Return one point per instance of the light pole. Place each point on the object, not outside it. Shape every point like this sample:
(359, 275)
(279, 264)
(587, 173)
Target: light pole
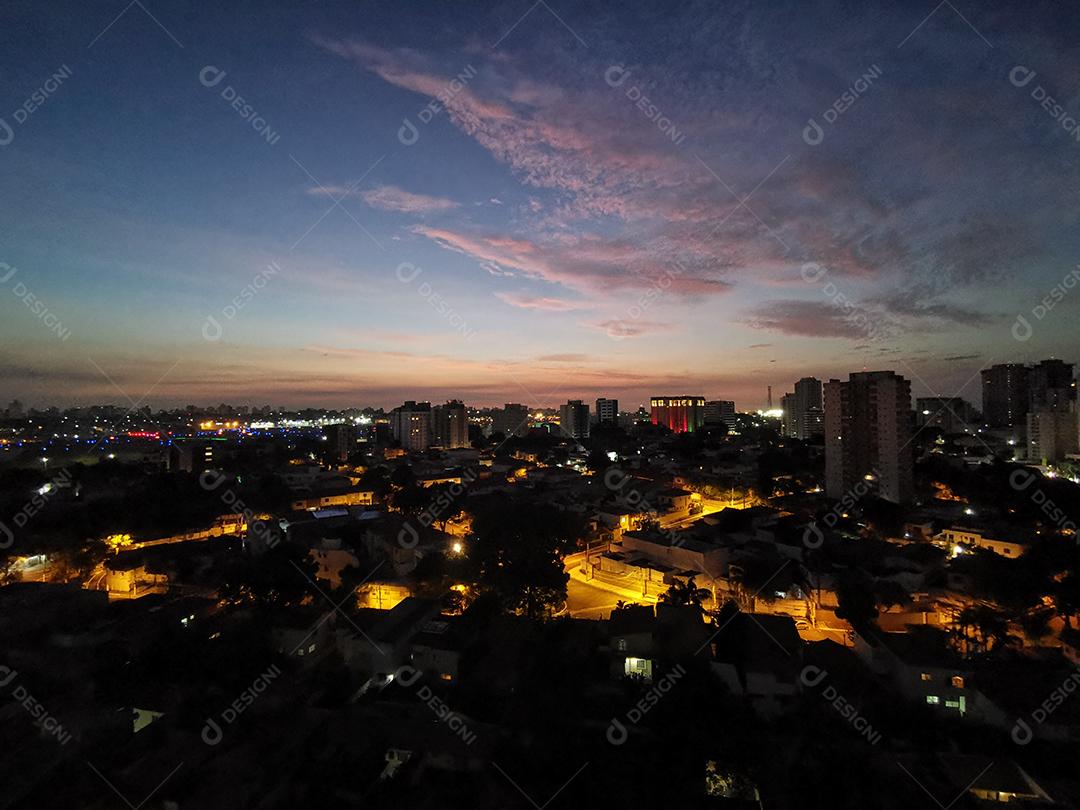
(44, 463)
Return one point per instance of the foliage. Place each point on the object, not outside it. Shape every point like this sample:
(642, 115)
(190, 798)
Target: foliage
(518, 553)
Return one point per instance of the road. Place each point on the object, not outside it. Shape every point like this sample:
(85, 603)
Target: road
(585, 601)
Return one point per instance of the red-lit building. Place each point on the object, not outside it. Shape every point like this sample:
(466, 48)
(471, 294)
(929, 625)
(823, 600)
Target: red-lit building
(678, 414)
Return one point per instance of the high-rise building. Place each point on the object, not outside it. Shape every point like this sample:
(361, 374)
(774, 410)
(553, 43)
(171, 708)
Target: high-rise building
(341, 439)
(679, 414)
(717, 409)
(574, 419)
(948, 414)
(194, 455)
(720, 412)
(802, 410)
(1052, 435)
(811, 423)
(1051, 386)
(789, 415)
(450, 425)
(411, 425)
(607, 411)
(1005, 394)
(512, 420)
(1012, 391)
(808, 394)
(868, 435)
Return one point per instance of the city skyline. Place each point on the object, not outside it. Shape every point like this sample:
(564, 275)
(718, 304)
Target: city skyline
(333, 240)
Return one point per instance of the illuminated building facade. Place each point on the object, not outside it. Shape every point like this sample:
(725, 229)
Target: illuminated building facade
(607, 411)
(574, 419)
(678, 414)
(450, 423)
(802, 410)
(411, 425)
(1005, 394)
(194, 455)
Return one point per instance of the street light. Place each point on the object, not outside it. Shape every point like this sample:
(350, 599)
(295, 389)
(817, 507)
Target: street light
(44, 462)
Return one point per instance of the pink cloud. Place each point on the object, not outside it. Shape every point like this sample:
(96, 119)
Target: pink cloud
(524, 301)
(619, 328)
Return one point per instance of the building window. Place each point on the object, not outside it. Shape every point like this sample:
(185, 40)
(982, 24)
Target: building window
(925, 676)
(641, 667)
(620, 645)
(932, 700)
(957, 681)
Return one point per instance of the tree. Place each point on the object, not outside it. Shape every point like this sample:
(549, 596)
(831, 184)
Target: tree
(7, 571)
(891, 593)
(598, 460)
(1067, 597)
(1036, 623)
(280, 576)
(518, 553)
(684, 593)
(856, 600)
(982, 628)
(762, 577)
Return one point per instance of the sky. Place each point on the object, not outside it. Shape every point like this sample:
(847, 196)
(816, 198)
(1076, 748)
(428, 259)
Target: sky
(353, 203)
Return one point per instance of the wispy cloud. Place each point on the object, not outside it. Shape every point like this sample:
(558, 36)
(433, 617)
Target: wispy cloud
(390, 198)
(618, 328)
(525, 301)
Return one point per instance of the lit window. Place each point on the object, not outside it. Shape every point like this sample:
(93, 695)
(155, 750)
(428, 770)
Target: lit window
(932, 700)
(926, 676)
(639, 666)
(957, 682)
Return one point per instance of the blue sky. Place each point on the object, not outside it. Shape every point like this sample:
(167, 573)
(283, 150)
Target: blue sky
(614, 199)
